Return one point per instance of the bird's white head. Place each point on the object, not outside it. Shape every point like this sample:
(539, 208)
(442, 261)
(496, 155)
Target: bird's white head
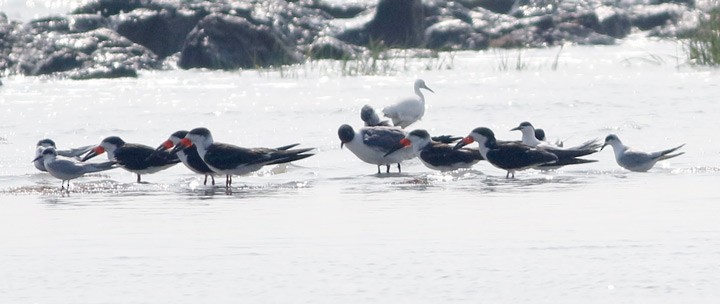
(612, 140)
(47, 154)
(528, 133)
(418, 139)
(200, 137)
(420, 84)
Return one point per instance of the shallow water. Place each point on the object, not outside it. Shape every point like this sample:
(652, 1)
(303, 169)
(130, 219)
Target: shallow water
(329, 230)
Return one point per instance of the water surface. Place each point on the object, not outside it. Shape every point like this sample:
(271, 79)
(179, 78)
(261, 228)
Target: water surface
(329, 230)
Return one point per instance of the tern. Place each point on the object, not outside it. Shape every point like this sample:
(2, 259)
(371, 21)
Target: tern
(436, 155)
(566, 156)
(509, 156)
(49, 143)
(371, 118)
(188, 156)
(370, 144)
(409, 110)
(635, 160)
(66, 170)
(232, 160)
(136, 158)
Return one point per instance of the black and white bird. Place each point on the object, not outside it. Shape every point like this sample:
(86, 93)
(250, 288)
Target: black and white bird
(408, 110)
(188, 156)
(66, 170)
(137, 158)
(370, 144)
(541, 136)
(232, 160)
(49, 143)
(509, 156)
(436, 155)
(635, 160)
(566, 156)
(371, 118)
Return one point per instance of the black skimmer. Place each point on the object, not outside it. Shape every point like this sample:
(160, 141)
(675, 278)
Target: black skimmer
(566, 156)
(409, 110)
(509, 156)
(436, 155)
(66, 170)
(635, 160)
(49, 143)
(136, 158)
(188, 156)
(371, 118)
(370, 144)
(233, 160)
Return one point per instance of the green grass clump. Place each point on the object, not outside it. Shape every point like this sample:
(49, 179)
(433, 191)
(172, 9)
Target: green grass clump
(703, 47)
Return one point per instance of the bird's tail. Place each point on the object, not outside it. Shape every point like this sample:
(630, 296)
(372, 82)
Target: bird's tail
(97, 167)
(667, 156)
(569, 161)
(668, 151)
(286, 156)
(286, 147)
(592, 144)
(75, 152)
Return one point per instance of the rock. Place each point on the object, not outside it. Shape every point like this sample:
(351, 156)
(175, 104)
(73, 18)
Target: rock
(337, 9)
(80, 23)
(331, 48)
(229, 42)
(496, 6)
(650, 16)
(534, 8)
(448, 35)
(59, 61)
(519, 38)
(163, 31)
(107, 8)
(613, 22)
(50, 24)
(118, 71)
(69, 54)
(397, 23)
(575, 33)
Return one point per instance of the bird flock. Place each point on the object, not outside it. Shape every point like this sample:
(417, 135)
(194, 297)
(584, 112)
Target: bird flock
(378, 142)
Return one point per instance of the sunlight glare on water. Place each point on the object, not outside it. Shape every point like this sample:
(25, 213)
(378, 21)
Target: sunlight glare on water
(328, 229)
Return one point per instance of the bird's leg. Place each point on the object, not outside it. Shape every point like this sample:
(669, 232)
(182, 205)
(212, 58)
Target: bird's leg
(399, 170)
(213, 180)
(507, 175)
(138, 179)
(387, 170)
(378, 169)
(205, 182)
(62, 185)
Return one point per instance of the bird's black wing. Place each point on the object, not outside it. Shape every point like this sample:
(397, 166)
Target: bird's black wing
(138, 157)
(441, 155)
(515, 156)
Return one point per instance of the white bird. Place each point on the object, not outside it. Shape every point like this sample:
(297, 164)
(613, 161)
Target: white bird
(635, 160)
(530, 138)
(370, 144)
(409, 110)
(66, 170)
(49, 143)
